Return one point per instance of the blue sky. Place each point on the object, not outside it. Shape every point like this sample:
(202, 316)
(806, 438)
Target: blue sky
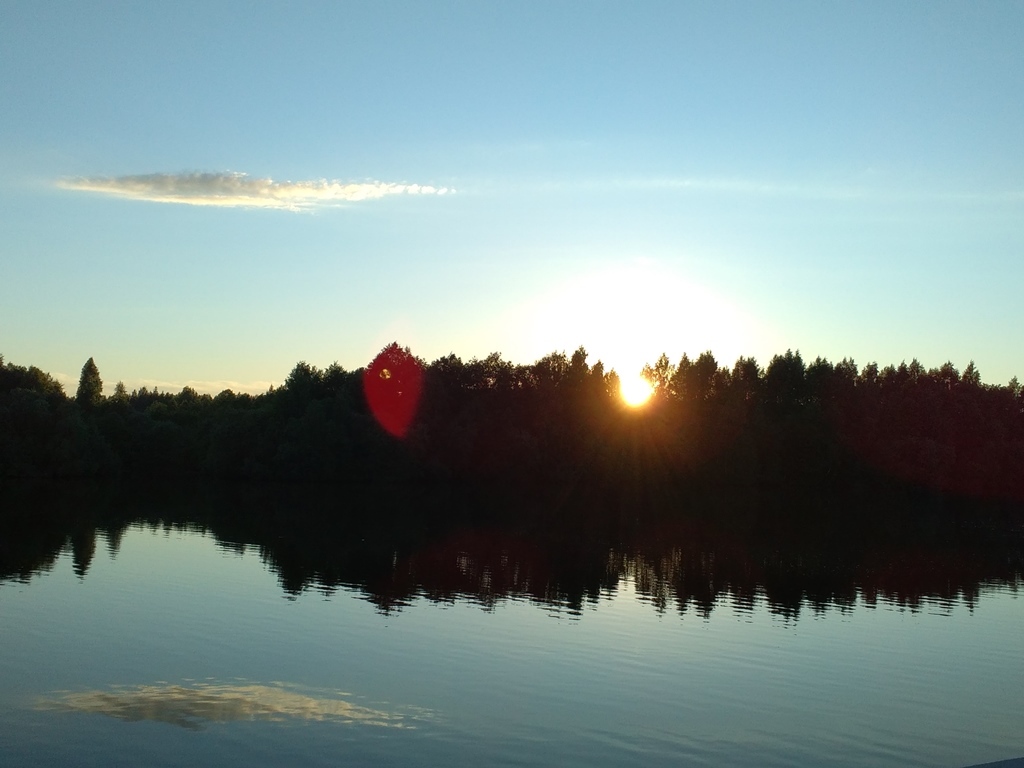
(207, 193)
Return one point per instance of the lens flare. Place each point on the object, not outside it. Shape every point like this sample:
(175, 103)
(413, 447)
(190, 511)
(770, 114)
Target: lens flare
(393, 383)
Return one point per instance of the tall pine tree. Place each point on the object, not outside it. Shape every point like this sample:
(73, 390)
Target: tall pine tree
(90, 385)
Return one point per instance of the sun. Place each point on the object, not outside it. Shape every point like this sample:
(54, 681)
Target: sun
(626, 314)
(635, 391)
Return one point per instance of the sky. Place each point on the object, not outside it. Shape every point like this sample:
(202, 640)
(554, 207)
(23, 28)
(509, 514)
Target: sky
(205, 194)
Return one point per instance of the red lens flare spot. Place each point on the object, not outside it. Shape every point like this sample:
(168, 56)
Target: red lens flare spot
(393, 383)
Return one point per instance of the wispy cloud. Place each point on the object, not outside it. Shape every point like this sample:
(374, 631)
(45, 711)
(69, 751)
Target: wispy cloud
(238, 190)
(754, 187)
(203, 387)
(764, 189)
(750, 187)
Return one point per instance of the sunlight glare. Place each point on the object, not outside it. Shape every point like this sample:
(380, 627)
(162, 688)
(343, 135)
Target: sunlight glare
(635, 390)
(628, 314)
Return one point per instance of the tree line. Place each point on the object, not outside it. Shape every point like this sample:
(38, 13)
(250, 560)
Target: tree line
(791, 424)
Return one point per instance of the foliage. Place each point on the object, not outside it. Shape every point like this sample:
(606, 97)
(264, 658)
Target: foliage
(559, 420)
(90, 386)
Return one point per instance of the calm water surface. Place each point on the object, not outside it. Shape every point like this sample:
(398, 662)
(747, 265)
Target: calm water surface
(166, 644)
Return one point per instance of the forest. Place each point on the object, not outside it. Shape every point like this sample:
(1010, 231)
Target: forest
(818, 427)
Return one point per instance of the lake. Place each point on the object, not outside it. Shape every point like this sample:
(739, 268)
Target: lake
(246, 627)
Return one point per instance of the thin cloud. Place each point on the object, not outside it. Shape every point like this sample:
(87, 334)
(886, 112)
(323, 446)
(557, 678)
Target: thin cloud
(767, 189)
(204, 387)
(758, 188)
(238, 190)
(831, 192)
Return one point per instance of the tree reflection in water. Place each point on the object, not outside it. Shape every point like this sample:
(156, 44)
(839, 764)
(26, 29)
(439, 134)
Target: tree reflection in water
(485, 545)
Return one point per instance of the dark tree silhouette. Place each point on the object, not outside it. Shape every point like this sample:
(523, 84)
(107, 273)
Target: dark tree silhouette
(820, 427)
(90, 386)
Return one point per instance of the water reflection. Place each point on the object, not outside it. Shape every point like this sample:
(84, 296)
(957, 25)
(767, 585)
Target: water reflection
(395, 546)
(194, 705)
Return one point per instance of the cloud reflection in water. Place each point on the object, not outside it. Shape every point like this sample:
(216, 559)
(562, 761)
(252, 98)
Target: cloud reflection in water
(192, 706)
